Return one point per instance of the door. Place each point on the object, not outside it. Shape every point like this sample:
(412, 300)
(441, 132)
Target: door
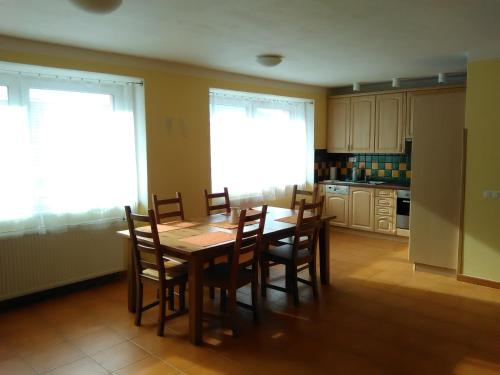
(384, 224)
(339, 114)
(361, 208)
(362, 123)
(436, 192)
(338, 205)
(389, 123)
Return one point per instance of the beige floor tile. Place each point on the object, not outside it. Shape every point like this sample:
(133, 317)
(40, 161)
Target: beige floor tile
(119, 356)
(85, 366)
(148, 366)
(54, 356)
(100, 339)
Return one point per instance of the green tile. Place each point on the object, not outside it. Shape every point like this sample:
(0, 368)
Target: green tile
(388, 173)
(368, 164)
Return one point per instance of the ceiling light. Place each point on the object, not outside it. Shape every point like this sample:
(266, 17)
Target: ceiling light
(98, 6)
(395, 82)
(356, 86)
(269, 60)
(441, 77)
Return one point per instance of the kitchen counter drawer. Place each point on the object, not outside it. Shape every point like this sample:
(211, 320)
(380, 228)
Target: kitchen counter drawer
(385, 193)
(385, 224)
(384, 202)
(385, 211)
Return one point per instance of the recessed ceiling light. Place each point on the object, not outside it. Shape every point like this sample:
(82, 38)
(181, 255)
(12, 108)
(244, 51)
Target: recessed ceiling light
(98, 6)
(269, 60)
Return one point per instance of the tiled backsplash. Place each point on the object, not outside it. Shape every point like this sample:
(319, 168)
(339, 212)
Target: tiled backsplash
(384, 167)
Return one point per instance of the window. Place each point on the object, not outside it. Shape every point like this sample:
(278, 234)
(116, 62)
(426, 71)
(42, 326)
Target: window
(260, 144)
(67, 152)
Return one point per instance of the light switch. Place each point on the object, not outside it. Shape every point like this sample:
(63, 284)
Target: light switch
(491, 194)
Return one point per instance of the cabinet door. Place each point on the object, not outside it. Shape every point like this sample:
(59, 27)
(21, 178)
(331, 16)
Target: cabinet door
(410, 112)
(339, 114)
(338, 205)
(361, 208)
(389, 123)
(362, 123)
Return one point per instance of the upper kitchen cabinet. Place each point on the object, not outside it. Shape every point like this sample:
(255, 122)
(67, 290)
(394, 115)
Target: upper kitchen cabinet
(362, 123)
(410, 112)
(389, 124)
(339, 125)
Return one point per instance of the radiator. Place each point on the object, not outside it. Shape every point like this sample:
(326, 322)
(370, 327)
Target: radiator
(34, 263)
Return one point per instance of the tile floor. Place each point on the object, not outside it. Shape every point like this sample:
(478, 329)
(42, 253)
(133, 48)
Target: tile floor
(377, 317)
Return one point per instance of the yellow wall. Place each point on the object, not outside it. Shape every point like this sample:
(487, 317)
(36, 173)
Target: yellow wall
(178, 155)
(482, 216)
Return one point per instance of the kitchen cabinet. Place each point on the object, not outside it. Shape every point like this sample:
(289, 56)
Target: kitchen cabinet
(339, 124)
(338, 205)
(361, 208)
(362, 124)
(389, 124)
(385, 211)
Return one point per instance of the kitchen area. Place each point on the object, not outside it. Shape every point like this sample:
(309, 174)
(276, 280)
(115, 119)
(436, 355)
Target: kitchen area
(393, 166)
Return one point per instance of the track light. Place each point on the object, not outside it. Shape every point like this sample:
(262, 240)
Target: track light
(441, 77)
(356, 86)
(395, 82)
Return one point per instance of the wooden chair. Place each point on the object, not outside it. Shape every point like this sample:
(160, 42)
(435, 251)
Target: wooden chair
(297, 256)
(241, 268)
(160, 214)
(217, 207)
(313, 194)
(151, 267)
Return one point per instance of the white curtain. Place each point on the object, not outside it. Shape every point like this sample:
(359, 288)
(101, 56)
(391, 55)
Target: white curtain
(260, 144)
(67, 153)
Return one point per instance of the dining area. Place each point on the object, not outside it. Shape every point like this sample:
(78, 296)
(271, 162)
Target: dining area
(187, 260)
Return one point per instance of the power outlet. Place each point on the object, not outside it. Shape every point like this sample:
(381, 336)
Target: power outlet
(490, 194)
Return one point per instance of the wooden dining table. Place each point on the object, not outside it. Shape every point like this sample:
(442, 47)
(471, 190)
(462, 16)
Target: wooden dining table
(173, 244)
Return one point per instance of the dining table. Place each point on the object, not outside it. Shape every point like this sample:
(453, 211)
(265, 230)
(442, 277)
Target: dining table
(181, 243)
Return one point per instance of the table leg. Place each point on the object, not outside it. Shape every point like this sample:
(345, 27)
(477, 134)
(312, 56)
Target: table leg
(127, 247)
(195, 275)
(324, 253)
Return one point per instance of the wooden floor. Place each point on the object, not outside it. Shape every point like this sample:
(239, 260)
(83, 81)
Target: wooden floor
(377, 317)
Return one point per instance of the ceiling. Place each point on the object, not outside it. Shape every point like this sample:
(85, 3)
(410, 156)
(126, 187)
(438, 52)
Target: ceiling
(325, 42)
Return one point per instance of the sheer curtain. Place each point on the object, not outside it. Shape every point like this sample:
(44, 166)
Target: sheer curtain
(67, 153)
(260, 144)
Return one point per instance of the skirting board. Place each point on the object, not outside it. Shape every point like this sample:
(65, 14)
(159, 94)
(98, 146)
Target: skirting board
(479, 281)
(334, 228)
(419, 267)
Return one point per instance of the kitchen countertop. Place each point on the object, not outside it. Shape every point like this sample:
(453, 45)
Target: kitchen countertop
(385, 185)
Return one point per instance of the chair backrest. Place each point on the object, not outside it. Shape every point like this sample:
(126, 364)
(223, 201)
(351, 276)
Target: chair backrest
(161, 203)
(307, 229)
(145, 243)
(246, 250)
(313, 194)
(217, 207)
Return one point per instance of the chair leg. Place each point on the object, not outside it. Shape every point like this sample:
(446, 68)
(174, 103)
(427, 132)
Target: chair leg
(171, 298)
(223, 300)
(232, 311)
(138, 304)
(182, 297)
(314, 279)
(263, 278)
(162, 312)
(211, 290)
(255, 288)
(294, 284)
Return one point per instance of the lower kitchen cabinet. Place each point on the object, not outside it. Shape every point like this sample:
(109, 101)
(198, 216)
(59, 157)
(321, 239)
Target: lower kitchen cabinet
(338, 205)
(384, 224)
(361, 208)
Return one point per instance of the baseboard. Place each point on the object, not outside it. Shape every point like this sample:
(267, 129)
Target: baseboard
(479, 281)
(419, 267)
(59, 291)
(402, 232)
(335, 228)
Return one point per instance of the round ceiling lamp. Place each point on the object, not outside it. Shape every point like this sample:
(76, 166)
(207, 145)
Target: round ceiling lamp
(98, 6)
(269, 60)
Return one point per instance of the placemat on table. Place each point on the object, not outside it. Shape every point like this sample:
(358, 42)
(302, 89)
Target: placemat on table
(182, 224)
(209, 239)
(228, 225)
(288, 219)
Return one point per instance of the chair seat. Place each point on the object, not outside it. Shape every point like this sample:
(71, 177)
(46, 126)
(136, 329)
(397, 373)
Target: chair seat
(173, 270)
(218, 276)
(289, 240)
(283, 254)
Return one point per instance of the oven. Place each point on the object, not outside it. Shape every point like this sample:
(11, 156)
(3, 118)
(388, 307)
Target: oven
(403, 209)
